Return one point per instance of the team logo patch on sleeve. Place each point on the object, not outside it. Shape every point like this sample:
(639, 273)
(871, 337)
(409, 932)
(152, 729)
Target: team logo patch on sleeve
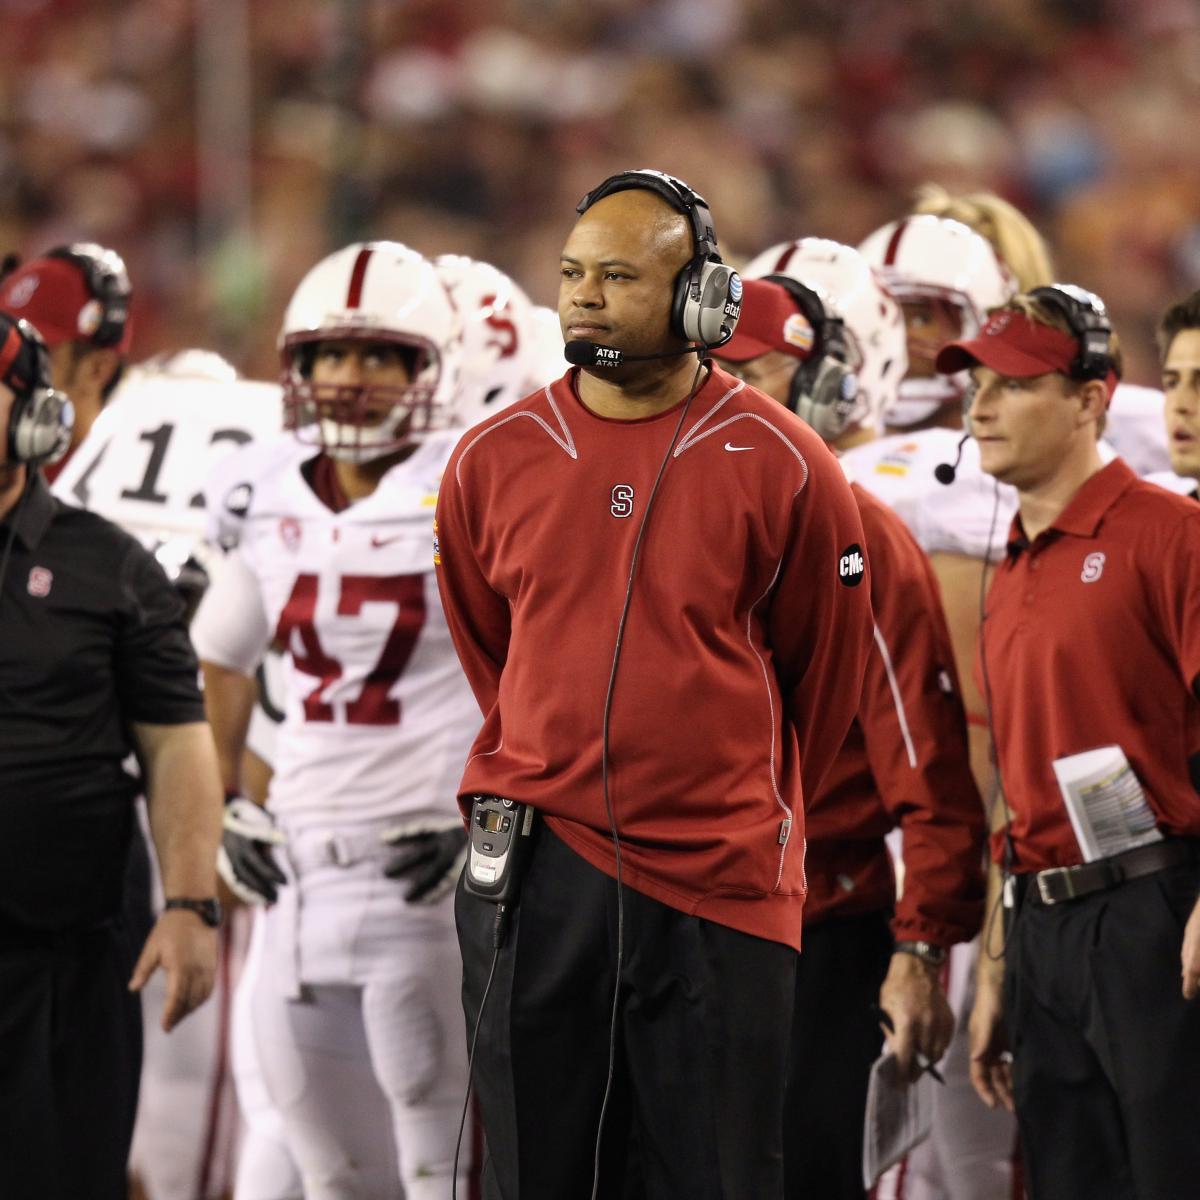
(852, 566)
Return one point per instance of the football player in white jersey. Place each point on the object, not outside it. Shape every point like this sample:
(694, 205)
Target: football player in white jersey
(328, 531)
(1133, 428)
(143, 464)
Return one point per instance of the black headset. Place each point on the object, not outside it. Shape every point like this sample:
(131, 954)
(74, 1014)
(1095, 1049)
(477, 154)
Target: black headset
(824, 388)
(1085, 314)
(708, 294)
(41, 419)
(107, 282)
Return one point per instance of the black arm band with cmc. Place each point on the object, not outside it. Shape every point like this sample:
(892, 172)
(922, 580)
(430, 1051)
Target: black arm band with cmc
(500, 841)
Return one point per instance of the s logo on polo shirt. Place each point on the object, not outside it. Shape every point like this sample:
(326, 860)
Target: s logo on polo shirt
(40, 581)
(1093, 567)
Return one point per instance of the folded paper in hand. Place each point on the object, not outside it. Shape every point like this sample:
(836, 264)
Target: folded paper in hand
(899, 1116)
(1105, 802)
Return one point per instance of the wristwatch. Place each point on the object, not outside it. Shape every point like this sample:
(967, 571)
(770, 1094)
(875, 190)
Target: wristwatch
(209, 911)
(931, 954)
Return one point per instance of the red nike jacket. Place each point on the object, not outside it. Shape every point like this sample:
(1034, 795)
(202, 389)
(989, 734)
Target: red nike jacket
(904, 763)
(748, 631)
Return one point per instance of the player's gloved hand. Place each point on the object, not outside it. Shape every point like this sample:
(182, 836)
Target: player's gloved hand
(430, 855)
(245, 860)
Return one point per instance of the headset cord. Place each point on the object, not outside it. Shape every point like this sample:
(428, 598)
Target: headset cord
(499, 928)
(997, 783)
(608, 808)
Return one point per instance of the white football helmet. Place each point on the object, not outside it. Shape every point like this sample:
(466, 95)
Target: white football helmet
(934, 258)
(374, 292)
(861, 355)
(546, 359)
(497, 334)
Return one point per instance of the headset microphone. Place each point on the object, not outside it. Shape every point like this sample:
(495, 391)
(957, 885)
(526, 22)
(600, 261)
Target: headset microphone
(945, 472)
(588, 354)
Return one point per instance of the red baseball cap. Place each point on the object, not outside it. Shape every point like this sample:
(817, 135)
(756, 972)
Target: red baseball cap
(52, 294)
(1013, 345)
(771, 320)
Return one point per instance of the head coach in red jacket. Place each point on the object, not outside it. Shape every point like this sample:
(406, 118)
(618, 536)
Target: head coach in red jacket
(654, 577)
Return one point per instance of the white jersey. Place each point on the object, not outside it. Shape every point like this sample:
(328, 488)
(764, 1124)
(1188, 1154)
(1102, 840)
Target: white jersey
(1181, 485)
(144, 461)
(1136, 429)
(378, 714)
(959, 518)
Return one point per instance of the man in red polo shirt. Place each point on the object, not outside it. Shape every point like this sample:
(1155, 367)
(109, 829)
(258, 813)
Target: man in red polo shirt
(1090, 651)
(825, 339)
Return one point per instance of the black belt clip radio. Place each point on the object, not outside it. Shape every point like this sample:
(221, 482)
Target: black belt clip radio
(500, 843)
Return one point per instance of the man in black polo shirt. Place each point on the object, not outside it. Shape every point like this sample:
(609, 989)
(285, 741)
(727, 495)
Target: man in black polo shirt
(94, 663)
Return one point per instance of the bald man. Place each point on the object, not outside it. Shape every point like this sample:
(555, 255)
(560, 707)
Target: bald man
(652, 576)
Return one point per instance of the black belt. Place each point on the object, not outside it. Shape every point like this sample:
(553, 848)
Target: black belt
(1046, 888)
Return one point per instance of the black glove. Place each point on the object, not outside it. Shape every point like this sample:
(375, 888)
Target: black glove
(431, 859)
(245, 860)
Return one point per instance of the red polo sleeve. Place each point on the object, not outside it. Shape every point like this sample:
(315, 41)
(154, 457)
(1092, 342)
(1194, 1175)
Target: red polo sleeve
(819, 626)
(478, 616)
(916, 741)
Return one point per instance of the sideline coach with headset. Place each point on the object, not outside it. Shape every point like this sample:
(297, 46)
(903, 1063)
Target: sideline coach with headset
(94, 662)
(652, 574)
(1090, 639)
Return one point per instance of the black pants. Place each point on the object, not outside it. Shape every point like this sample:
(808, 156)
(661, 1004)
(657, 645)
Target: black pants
(702, 1042)
(1106, 1052)
(835, 1039)
(70, 1058)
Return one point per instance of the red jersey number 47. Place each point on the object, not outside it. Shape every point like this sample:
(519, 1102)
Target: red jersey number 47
(297, 634)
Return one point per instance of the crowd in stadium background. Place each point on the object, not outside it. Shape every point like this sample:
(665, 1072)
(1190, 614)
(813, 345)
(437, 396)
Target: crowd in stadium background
(225, 146)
